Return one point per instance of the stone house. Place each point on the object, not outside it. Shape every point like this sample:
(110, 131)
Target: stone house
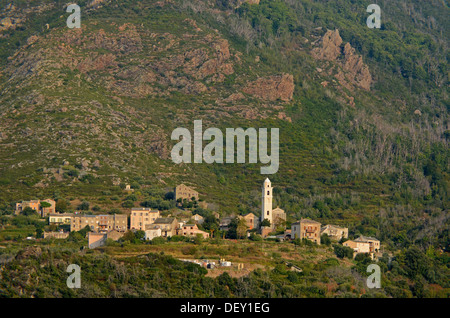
(99, 223)
(152, 231)
(251, 220)
(60, 218)
(335, 232)
(48, 210)
(364, 244)
(114, 235)
(56, 235)
(96, 239)
(306, 229)
(192, 230)
(224, 223)
(37, 206)
(374, 244)
(358, 247)
(110, 222)
(80, 221)
(33, 204)
(141, 217)
(278, 217)
(184, 192)
(198, 218)
(168, 226)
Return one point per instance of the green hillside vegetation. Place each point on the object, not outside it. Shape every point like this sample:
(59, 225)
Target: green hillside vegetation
(143, 270)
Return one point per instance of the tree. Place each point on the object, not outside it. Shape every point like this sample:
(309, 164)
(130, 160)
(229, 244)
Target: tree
(255, 237)
(224, 4)
(265, 222)
(39, 230)
(416, 262)
(85, 230)
(115, 211)
(232, 229)
(77, 236)
(45, 204)
(325, 239)
(158, 240)
(28, 211)
(84, 206)
(198, 239)
(169, 196)
(139, 235)
(293, 277)
(128, 204)
(343, 251)
(241, 229)
(210, 223)
(363, 258)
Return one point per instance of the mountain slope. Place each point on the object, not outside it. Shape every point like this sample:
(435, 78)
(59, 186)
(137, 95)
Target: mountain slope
(363, 113)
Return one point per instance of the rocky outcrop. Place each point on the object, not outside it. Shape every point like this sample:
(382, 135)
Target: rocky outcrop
(30, 251)
(128, 40)
(98, 63)
(200, 65)
(330, 46)
(240, 2)
(352, 69)
(272, 88)
(358, 71)
(283, 116)
(158, 145)
(95, 4)
(12, 17)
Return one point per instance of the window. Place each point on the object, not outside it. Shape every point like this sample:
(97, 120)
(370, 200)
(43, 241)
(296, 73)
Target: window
(267, 212)
(268, 192)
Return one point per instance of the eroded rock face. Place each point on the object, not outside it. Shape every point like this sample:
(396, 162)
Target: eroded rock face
(330, 46)
(272, 88)
(353, 70)
(354, 65)
(201, 66)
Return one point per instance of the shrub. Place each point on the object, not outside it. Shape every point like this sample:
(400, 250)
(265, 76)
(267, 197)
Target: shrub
(189, 250)
(343, 251)
(83, 206)
(158, 241)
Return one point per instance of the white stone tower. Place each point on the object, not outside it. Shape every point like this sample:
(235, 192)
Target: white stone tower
(266, 212)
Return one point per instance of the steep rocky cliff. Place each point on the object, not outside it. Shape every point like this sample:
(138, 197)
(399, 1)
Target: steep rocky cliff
(350, 67)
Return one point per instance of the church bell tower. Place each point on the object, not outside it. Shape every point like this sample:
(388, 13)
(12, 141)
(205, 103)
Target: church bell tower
(266, 212)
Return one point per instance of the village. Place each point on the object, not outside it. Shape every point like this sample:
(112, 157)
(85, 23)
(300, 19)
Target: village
(153, 224)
